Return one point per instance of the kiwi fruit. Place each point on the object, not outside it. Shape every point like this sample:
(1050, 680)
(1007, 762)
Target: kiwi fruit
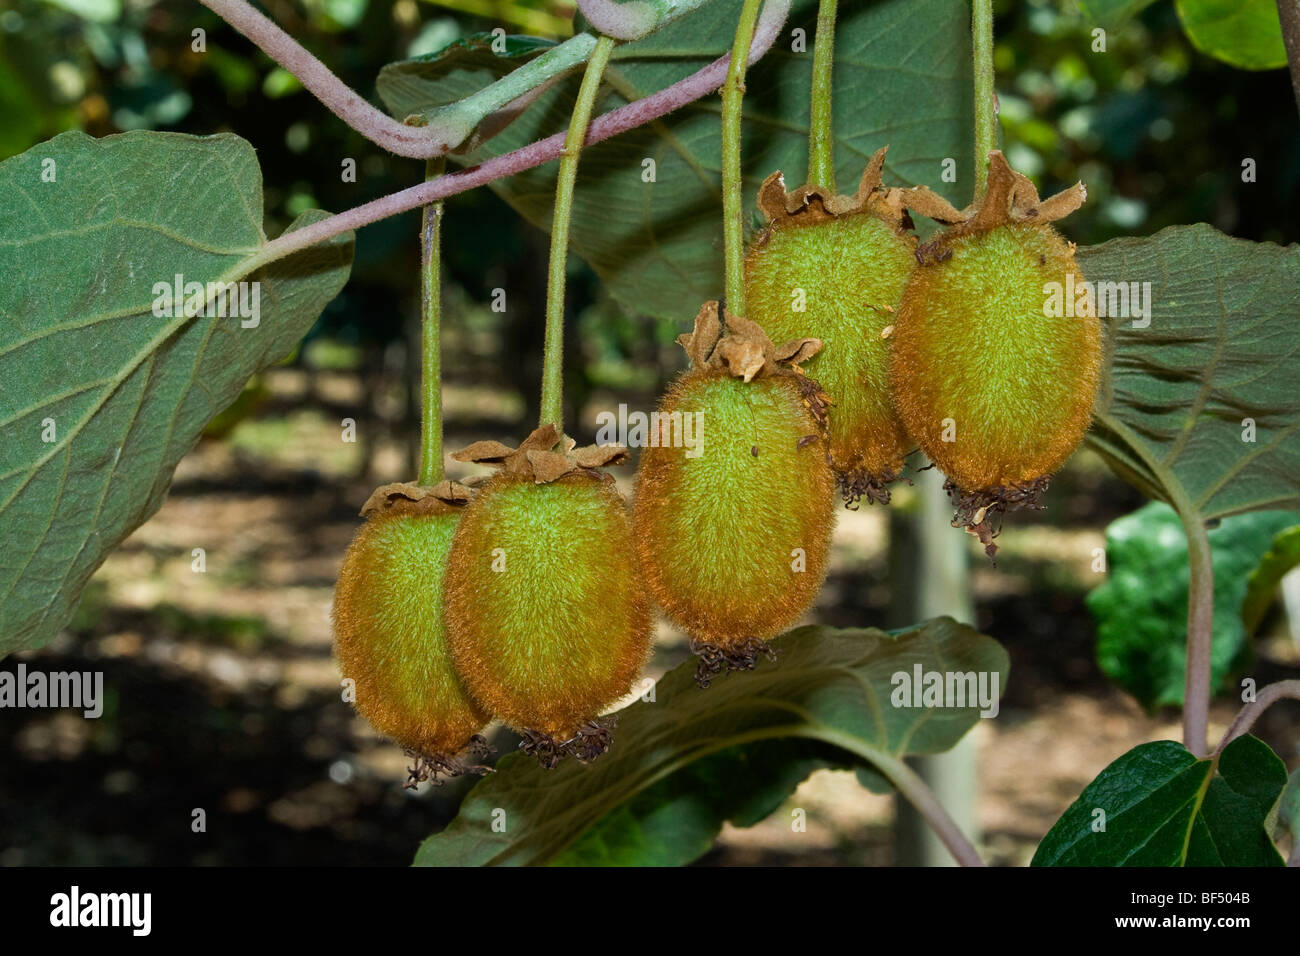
(834, 267)
(550, 622)
(996, 387)
(391, 637)
(733, 535)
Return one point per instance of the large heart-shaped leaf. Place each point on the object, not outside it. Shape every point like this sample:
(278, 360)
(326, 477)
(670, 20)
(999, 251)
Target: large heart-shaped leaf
(1200, 408)
(1141, 608)
(102, 394)
(1159, 806)
(902, 79)
(830, 688)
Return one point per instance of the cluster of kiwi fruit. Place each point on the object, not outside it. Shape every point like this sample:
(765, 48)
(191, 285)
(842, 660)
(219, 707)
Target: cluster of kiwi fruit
(527, 598)
(516, 597)
(945, 345)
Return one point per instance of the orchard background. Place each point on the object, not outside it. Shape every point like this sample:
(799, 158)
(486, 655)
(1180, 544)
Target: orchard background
(222, 691)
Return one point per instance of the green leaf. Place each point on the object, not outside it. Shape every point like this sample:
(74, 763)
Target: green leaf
(677, 819)
(658, 245)
(1160, 806)
(1288, 815)
(410, 88)
(1264, 580)
(1242, 33)
(1141, 609)
(101, 396)
(1200, 407)
(450, 87)
(830, 688)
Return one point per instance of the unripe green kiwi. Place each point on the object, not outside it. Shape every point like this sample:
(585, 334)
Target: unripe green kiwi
(391, 636)
(550, 622)
(850, 271)
(734, 540)
(993, 387)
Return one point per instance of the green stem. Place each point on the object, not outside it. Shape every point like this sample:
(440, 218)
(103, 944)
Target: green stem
(986, 116)
(821, 140)
(431, 467)
(1200, 637)
(733, 91)
(553, 360)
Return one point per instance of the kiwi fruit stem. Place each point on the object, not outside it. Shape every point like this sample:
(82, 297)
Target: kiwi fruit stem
(733, 226)
(431, 468)
(821, 139)
(553, 355)
(986, 98)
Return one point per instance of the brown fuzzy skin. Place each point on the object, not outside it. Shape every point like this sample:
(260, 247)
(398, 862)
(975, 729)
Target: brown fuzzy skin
(391, 639)
(558, 636)
(973, 344)
(715, 533)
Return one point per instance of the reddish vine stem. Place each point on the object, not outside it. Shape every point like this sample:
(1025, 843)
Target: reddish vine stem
(1246, 717)
(344, 102)
(622, 21)
(688, 90)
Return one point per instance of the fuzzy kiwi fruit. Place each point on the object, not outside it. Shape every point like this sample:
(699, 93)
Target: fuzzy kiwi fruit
(391, 637)
(549, 619)
(733, 534)
(996, 385)
(834, 267)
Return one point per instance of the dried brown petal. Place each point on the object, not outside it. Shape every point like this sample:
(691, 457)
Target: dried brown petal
(797, 351)
(699, 342)
(543, 439)
(1010, 198)
(811, 204)
(599, 456)
(408, 497)
(930, 204)
(545, 455)
(741, 346)
(484, 452)
(548, 465)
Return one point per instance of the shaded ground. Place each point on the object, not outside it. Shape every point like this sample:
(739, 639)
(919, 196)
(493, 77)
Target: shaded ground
(223, 697)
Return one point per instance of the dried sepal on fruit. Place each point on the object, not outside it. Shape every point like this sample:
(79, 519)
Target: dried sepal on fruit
(834, 267)
(550, 623)
(390, 632)
(993, 382)
(734, 532)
